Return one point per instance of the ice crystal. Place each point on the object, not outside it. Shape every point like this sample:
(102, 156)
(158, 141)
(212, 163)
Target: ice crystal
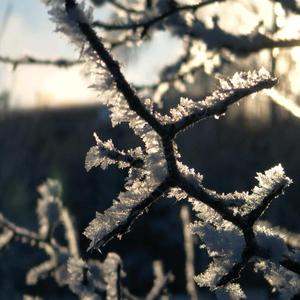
(67, 23)
(223, 241)
(137, 189)
(177, 193)
(105, 154)
(102, 81)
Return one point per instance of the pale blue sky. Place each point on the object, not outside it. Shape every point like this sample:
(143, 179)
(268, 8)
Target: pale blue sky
(28, 31)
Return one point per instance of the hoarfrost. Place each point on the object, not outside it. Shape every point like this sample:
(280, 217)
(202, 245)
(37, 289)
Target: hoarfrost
(231, 90)
(284, 282)
(271, 243)
(269, 182)
(223, 242)
(105, 154)
(123, 207)
(231, 291)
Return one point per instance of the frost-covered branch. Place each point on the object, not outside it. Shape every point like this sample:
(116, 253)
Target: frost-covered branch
(87, 279)
(50, 212)
(232, 90)
(148, 22)
(113, 67)
(257, 240)
(13, 232)
(105, 153)
(215, 38)
(291, 239)
(222, 218)
(125, 211)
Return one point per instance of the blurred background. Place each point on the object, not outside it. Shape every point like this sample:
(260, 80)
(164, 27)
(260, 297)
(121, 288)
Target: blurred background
(48, 116)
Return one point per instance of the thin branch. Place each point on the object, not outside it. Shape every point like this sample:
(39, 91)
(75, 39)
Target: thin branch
(105, 153)
(161, 282)
(117, 155)
(119, 287)
(189, 253)
(288, 104)
(70, 232)
(244, 44)
(20, 232)
(146, 24)
(244, 223)
(30, 60)
(215, 38)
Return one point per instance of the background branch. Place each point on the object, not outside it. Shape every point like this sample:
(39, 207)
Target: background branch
(30, 60)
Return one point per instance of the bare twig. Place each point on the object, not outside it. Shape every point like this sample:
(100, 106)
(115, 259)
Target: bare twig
(70, 232)
(30, 60)
(189, 253)
(21, 233)
(161, 282)
(146, 24)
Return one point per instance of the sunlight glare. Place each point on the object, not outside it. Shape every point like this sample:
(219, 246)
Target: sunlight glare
(65, 88)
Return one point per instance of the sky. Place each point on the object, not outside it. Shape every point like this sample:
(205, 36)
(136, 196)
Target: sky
(28, 31)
